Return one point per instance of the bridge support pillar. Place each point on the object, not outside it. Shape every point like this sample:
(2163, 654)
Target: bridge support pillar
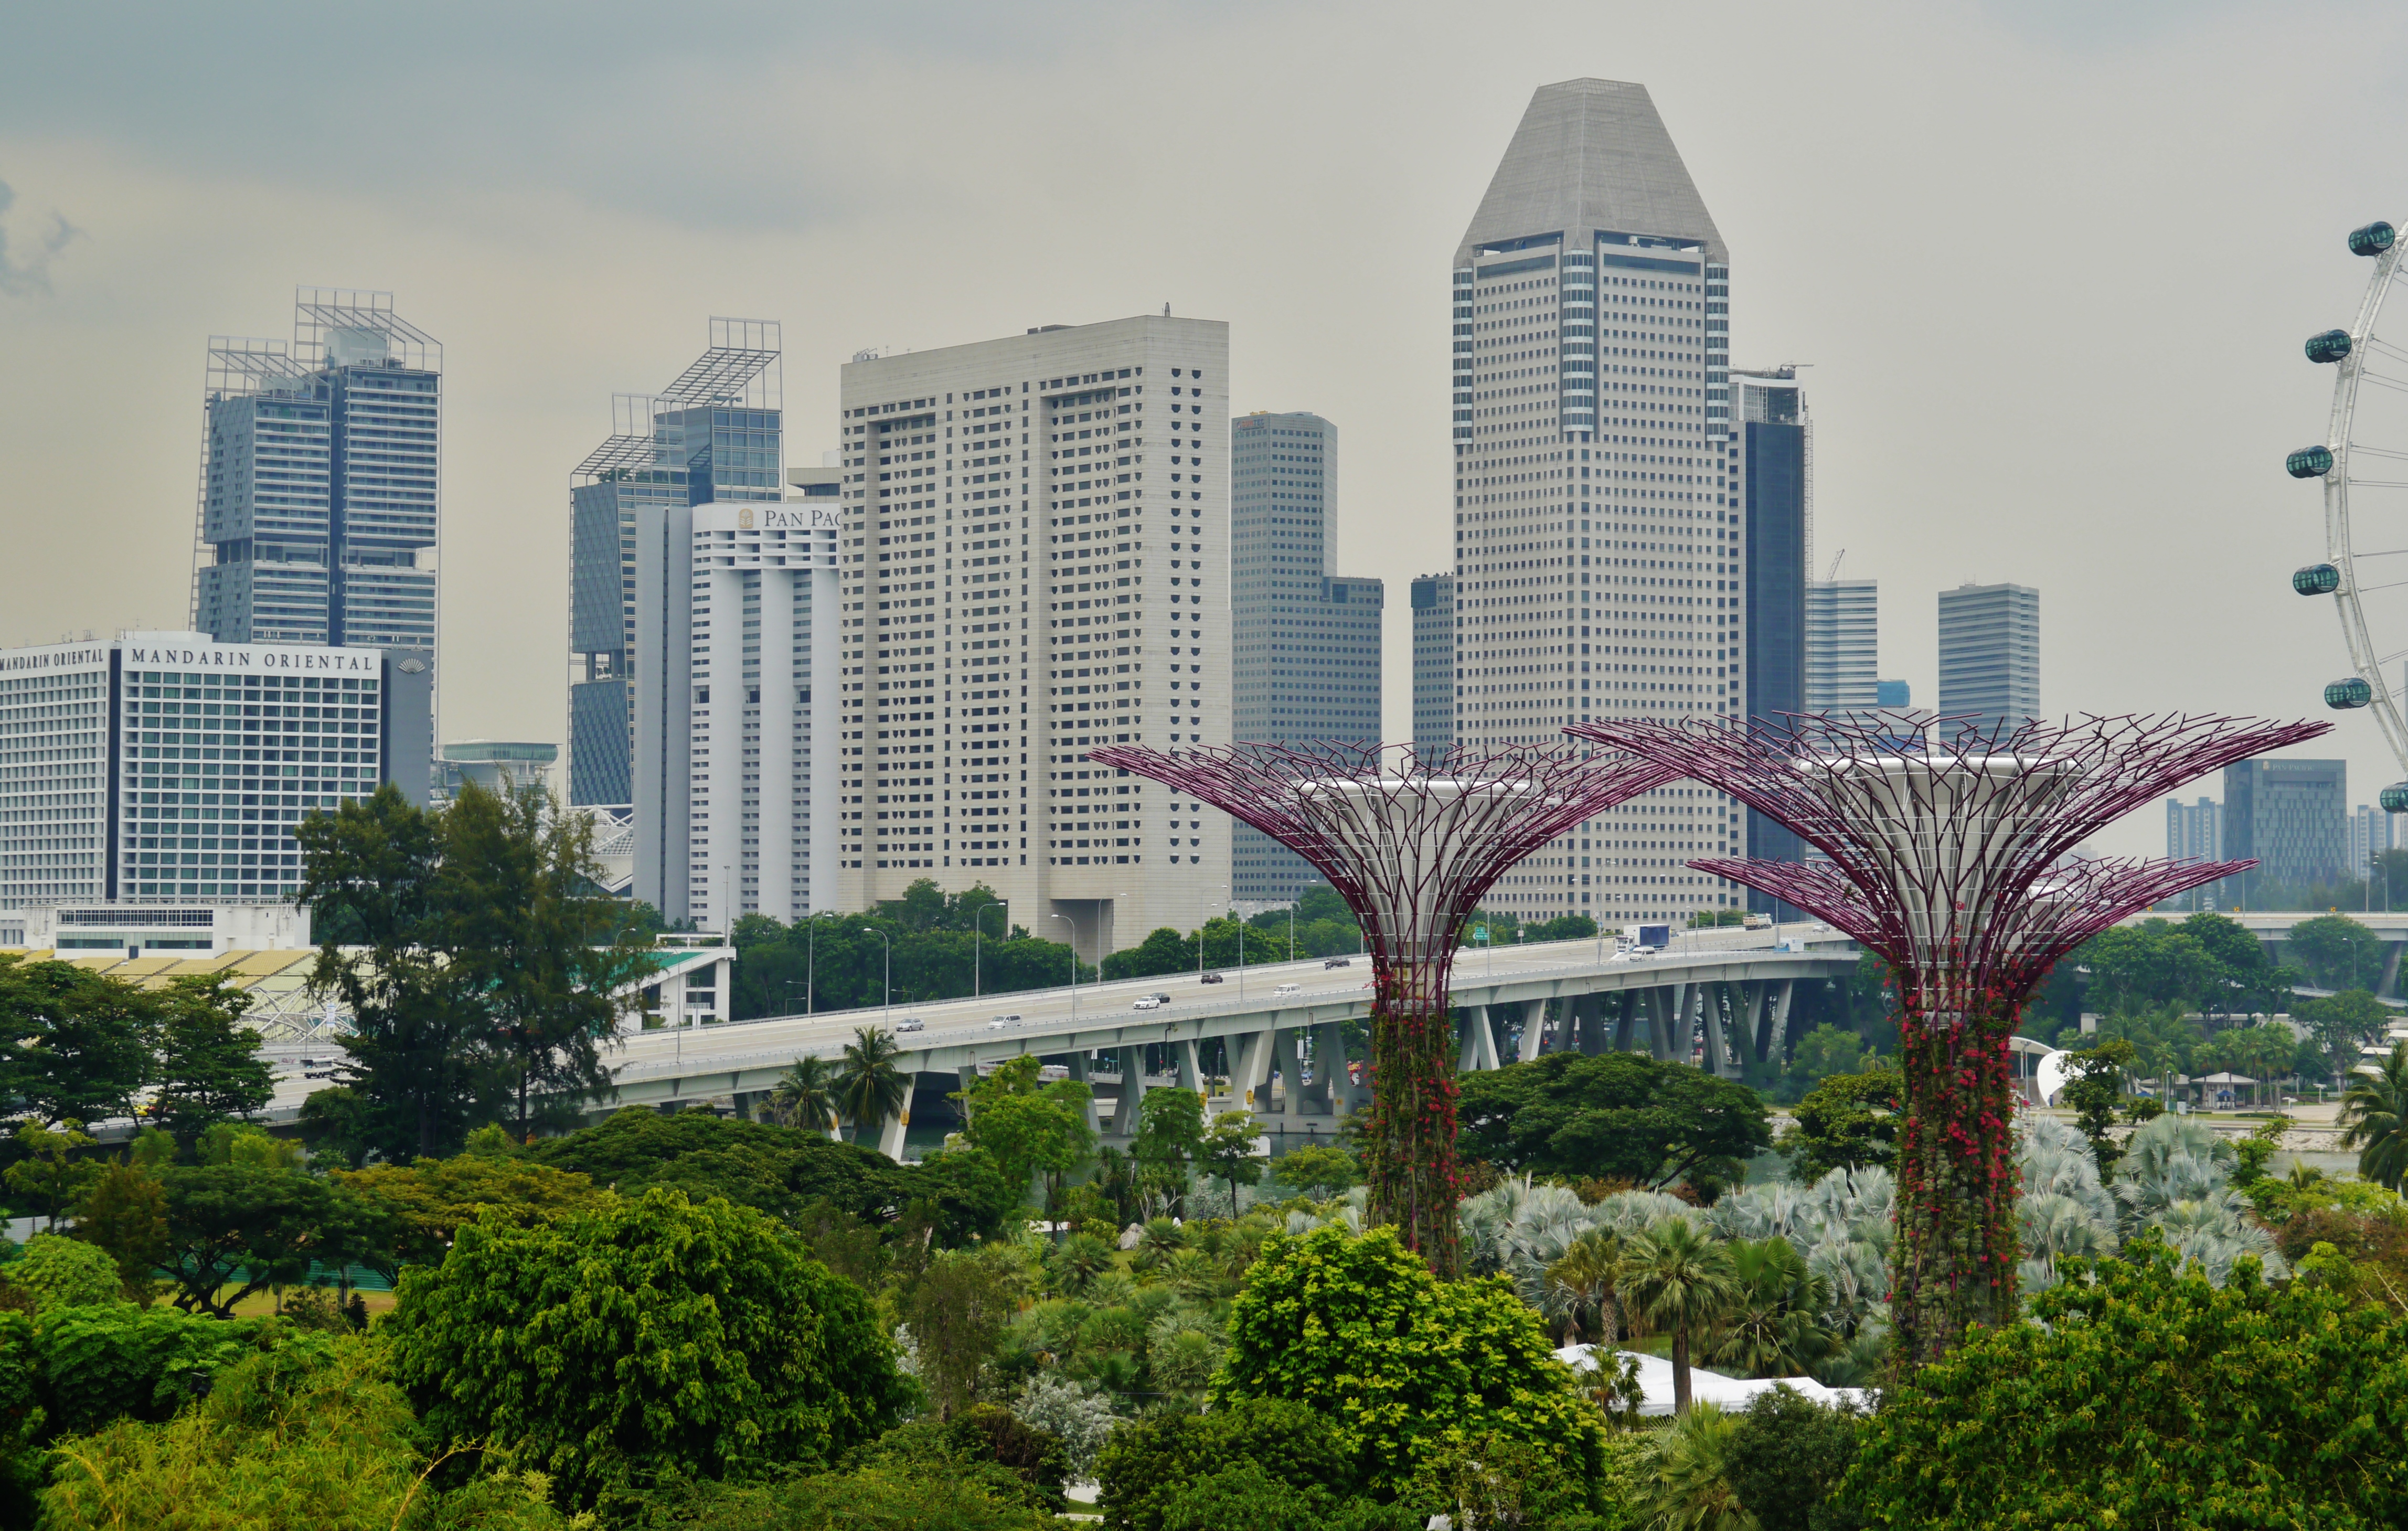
(891, 1131)
(1251, 1060)
(1720, 1055)
(1289, 1099)
(1780, 1028)
(1132, 1062)
(1534, 1028)
(1630, 1011)
(1476, 1027)
(1083, 1069)
(1759, 1033)
(1191, 1073)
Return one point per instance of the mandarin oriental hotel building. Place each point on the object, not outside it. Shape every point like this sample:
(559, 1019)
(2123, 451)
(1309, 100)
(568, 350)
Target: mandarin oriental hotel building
(168, 765)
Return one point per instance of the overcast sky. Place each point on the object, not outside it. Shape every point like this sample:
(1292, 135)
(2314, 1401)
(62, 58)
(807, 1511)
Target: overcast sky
(2051, 265)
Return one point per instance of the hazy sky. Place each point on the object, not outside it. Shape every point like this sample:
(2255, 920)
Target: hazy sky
(2051, 263)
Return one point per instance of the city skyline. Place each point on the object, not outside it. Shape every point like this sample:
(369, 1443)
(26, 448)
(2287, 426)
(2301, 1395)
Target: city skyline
(515, 291)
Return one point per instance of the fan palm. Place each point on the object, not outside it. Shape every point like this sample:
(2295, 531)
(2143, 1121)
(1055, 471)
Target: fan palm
(1682, 1279)
(2374, 1119)
(1691, 1487)
(807, 1094)
(868, 1087)
(1773, 1327)
(1582, 1279)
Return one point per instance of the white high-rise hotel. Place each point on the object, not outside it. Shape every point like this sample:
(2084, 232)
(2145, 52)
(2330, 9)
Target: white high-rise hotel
(1034, 561)
(1597, 526)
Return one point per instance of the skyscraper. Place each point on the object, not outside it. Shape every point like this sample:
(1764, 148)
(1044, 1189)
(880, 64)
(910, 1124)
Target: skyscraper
(1304, 644)
(1843, 645)
(2290, 817)
(736, 648)
(1770, 464)
(714, 434)
(320, 481)
(1596, 541)
(1433, 607)
(1989, 654)
(2370, 835)
(1034, 561)
(2195, 831)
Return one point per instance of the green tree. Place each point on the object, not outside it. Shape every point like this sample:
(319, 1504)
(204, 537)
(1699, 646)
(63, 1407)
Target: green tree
(421, 1208)
(646, 1338)
(1169, 1140)
(806, 1096)
(1824, 1051)
(957, 1312)
(1320, 1170)
(1683, 1281)
(209, 1068)
(1229, 1151)
(307, 1434)
(1691, 1485)
(2374, 1119)
(1399, 1364)
(80, 1044)
(233, 1229)
(1030, 1128)
(1151, 1464)
(2094, 1091)
(1610, 1114)
(123, 1214)
(1786, 1454)
(2141, 1395)
(371, 875)
(50, 1174)
(1586, 1279)
(2344, 1023)
(870, 1088)
(1165, 952)
(61, 1272)
(533, 944)
(2338, 953)
(1847, 1121)
(341, 1123)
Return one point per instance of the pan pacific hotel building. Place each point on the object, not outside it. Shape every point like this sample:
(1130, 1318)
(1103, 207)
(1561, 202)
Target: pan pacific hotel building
(151, 784)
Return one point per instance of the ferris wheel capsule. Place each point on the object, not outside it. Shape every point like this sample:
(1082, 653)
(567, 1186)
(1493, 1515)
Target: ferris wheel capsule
(2394, 797)
(2329, 346)
(2309, 463)
(2343, 694)
(2316, 580)
(2373, 239)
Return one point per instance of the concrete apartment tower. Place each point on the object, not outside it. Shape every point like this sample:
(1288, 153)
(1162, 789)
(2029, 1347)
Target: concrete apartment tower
(1597, 535)
(1989, 654)
(714, 435)
(320, 498)
(1305, 643)
(1034, 561)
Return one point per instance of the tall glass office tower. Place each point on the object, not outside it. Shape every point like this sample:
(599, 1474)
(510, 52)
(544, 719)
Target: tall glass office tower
(1598, 532)
(1306, 660)
(320, 481)
(714, 434)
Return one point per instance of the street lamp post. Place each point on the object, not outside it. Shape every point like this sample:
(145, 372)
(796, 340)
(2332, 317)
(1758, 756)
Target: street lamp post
(978, 934)
(1074, 963)
(889, 1001)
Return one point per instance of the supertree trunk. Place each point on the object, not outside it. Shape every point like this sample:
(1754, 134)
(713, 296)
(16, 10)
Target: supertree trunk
(1956, 1257)
(1409, 1157)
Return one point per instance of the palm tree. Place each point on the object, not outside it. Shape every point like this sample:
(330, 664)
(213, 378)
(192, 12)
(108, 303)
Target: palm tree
(1774, 1328)
(868, 1087)
(1691, 1487)
(1583, 1278)
(1682, 1279)
(2374, 1119)
(807, 1093)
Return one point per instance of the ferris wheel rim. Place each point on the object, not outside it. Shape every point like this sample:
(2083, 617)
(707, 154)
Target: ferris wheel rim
(2366, 661)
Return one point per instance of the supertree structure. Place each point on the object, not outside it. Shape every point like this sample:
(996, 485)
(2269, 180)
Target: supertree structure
(1953, 856)
(1411, 843)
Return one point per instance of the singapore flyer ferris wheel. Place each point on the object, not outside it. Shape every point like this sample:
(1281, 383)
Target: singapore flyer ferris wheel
(2364, 466)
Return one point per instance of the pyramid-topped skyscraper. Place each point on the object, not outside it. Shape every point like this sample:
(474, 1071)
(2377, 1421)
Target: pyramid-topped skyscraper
(1599, 526)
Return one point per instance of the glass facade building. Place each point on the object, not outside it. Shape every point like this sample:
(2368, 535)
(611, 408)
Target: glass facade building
(1305, 660)
(714, 434)
(2291, 816)
(1843, 645)
(1989, 654)
(320, 481)
(1772, 464)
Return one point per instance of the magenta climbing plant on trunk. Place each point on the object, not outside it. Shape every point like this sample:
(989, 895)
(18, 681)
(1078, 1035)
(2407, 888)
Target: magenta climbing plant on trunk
(1411, 841)
(1951, 849)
